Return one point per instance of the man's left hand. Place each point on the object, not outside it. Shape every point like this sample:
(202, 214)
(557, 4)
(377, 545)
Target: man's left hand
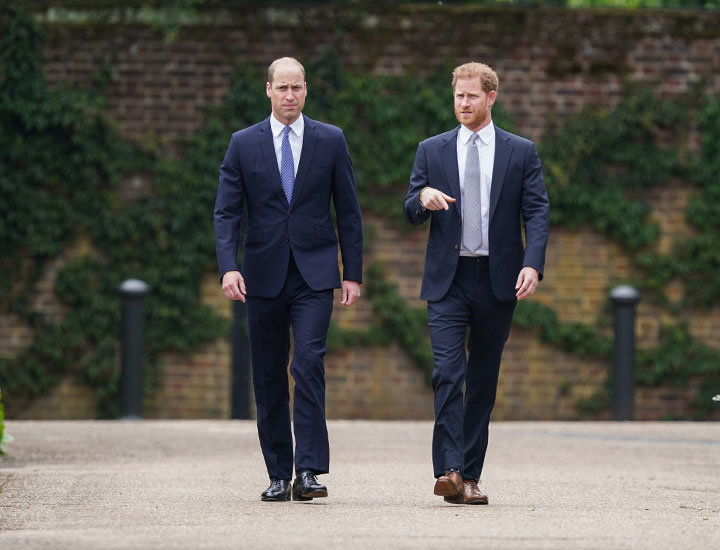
(527, 282)
(350, 292)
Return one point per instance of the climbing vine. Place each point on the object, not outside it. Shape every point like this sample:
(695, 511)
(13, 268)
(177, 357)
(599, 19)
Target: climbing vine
(62, 164)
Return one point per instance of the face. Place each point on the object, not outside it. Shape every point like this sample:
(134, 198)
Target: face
(287, 93)
(472, 104)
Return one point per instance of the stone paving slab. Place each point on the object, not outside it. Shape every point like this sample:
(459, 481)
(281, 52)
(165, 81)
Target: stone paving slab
(196, 484)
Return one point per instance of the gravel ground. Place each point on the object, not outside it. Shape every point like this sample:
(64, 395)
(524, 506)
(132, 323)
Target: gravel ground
(196, 484)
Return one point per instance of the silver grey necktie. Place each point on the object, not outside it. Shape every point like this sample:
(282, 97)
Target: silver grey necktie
(472, 198)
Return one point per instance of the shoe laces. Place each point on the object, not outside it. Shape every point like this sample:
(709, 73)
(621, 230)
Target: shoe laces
(309, 476)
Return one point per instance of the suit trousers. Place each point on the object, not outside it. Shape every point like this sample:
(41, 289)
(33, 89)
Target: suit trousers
(460, 434)
(308, 312)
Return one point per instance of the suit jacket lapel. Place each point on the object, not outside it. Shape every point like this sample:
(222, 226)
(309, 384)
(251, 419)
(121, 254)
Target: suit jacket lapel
(268, 148)
(308, 149)
(448, 154)
(503, 148)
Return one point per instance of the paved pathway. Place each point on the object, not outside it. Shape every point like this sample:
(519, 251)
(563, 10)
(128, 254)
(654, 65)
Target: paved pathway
(196, 484)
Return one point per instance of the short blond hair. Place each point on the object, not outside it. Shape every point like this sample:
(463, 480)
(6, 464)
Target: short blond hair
(488, 77)
(283, 61)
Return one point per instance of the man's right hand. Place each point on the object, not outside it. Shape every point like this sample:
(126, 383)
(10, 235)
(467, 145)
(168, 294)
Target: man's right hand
(432, 199)
(233, 286)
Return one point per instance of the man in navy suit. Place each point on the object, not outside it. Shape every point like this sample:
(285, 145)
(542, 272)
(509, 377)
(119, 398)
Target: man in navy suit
(286, 170)
(476, 183)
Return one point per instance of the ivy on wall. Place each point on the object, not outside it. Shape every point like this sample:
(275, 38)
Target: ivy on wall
(696, 262)
(593, 164)
(62, 161)
(607, 156)
(60, 165)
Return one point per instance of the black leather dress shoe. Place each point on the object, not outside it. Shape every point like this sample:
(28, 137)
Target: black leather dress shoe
(307, 487)
(278, 491)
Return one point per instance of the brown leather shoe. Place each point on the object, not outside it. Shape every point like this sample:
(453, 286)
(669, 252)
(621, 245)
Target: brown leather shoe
(449, 484)
(471, 494)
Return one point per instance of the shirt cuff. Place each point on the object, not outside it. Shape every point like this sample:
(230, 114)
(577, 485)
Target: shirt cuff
(420, 204)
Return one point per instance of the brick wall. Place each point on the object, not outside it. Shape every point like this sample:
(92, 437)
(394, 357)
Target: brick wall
(550, 62)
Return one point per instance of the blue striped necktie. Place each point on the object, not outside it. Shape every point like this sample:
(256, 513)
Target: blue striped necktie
(287, 170)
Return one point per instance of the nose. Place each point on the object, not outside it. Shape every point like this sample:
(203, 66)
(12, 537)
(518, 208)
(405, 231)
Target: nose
(465, 102)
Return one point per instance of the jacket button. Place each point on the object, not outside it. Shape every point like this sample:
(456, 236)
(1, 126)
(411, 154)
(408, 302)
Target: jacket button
(287, 240)
(456, 247)
(289, 215)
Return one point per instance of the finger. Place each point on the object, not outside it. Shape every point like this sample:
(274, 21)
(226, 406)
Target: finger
(526, 294)
(527, 289)
(522, 292)
(344, 297)
(520, 280)
(241, 284)
(448, 198)
(233, 292)
(524, 286)
(444, 204)
(228, 291)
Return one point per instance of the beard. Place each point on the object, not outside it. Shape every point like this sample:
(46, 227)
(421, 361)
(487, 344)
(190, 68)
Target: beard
(476, 117)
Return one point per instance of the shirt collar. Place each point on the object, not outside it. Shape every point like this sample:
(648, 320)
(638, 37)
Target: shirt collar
(277, 127)
(486, 134)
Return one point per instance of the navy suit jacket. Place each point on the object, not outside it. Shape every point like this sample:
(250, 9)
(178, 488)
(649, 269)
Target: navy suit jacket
(249, 174)
(517, 193)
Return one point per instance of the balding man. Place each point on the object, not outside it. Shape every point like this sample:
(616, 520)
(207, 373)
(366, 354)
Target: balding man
(286, 170)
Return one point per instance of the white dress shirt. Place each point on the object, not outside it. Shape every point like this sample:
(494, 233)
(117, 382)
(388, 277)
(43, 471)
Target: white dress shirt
(486, 150)
(295, 137)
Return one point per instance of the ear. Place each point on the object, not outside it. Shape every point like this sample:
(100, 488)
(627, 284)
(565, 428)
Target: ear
(268, 88)
(491, 97)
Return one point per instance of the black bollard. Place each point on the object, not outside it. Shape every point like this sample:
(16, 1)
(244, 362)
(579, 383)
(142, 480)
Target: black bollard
(132, 378)
(625, 299)
(240, 396)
